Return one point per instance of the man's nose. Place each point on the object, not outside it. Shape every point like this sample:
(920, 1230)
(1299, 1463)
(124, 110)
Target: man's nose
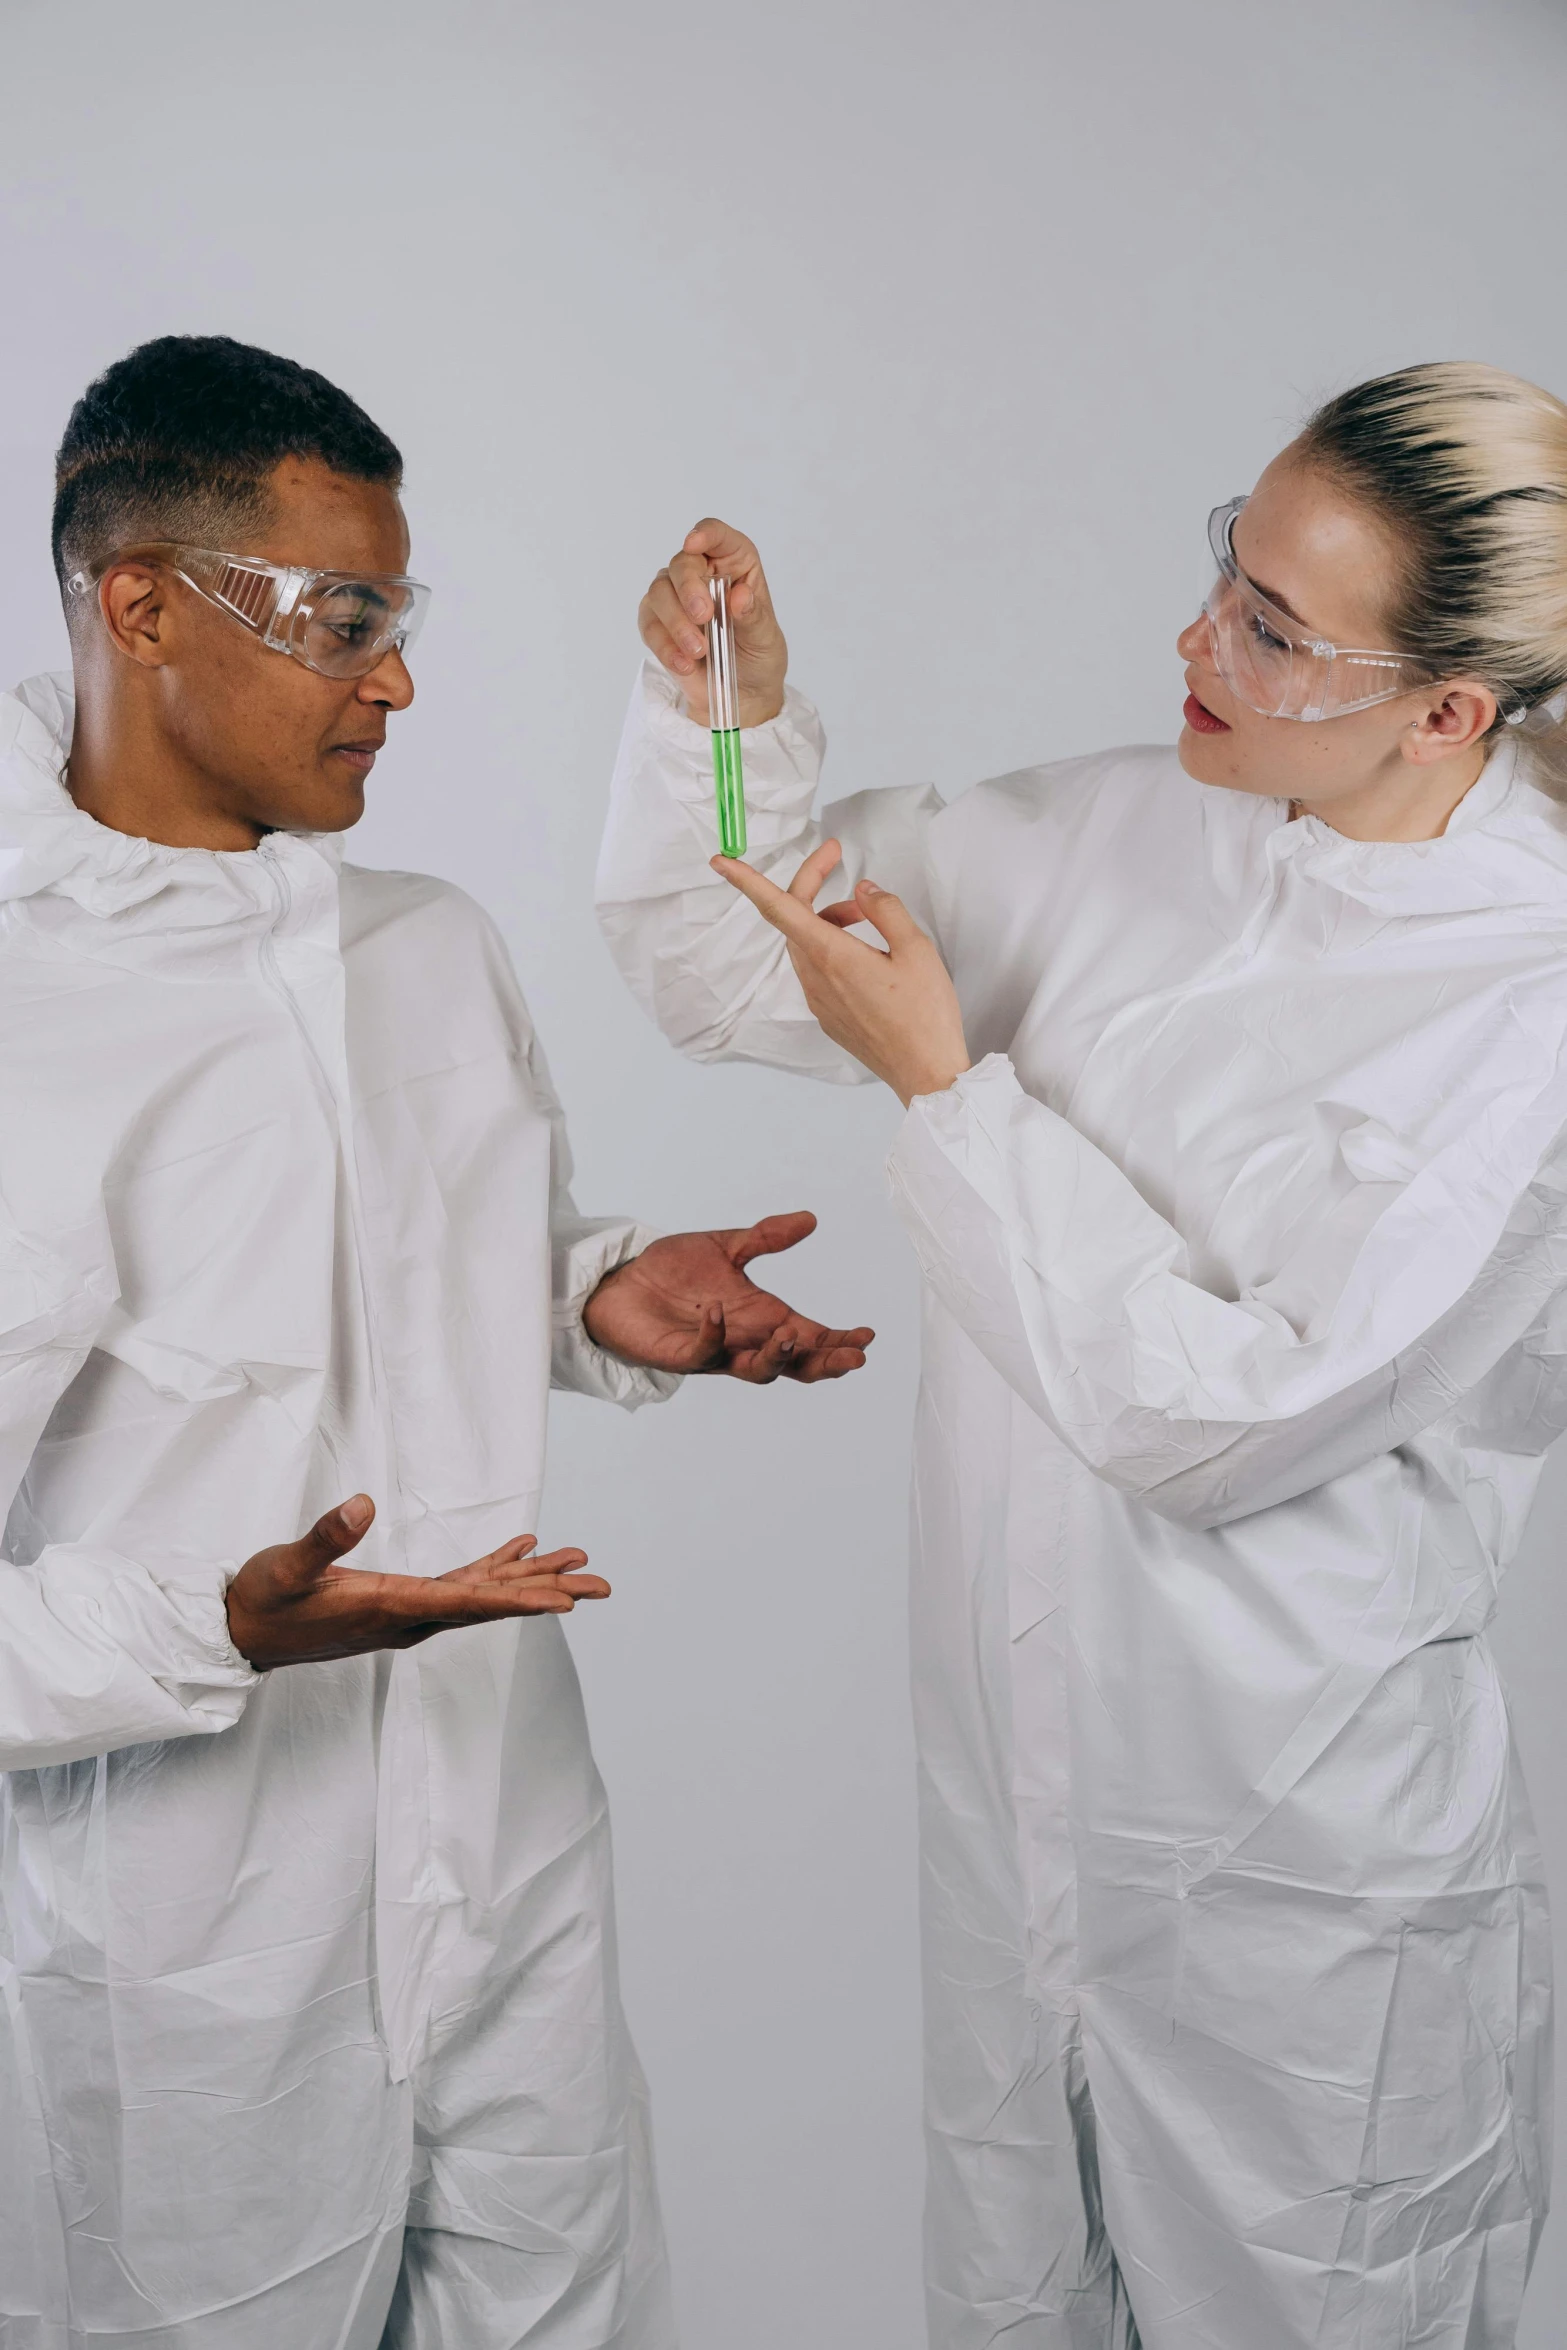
(388, 686)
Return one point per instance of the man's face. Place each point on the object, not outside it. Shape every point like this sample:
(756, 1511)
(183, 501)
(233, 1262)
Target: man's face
(274, 743)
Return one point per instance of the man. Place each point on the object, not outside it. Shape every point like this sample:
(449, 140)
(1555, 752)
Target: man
(308, 1950)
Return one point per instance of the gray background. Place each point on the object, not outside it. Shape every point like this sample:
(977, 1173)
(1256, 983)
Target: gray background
(968, 314)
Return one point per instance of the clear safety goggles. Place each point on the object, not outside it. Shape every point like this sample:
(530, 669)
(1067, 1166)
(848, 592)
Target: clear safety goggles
(339, 623)
(1269, 662)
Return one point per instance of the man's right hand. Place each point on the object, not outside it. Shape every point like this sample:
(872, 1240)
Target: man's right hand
(676, 609)
(293, 1604)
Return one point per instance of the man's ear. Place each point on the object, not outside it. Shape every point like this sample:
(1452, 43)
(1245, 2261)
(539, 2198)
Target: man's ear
(1456, 716)
(133, 601)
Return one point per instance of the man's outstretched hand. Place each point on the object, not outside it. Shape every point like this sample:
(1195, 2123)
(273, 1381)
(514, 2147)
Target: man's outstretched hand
(293, 1604)
(686, 1304)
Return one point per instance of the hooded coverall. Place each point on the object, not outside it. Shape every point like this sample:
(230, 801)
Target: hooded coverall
(1244, 1246)
(311, 2035)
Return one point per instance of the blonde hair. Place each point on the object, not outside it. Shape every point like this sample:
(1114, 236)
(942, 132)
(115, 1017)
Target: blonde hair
(1468, 467)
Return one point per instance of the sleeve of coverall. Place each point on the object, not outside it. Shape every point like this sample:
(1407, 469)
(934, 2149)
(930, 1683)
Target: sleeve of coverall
(96, 1650)
(1402, 1300)
(582, 1250)
(715, 978)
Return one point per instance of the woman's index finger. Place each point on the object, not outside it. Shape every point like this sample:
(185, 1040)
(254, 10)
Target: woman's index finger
(796, 920)
(689, 574)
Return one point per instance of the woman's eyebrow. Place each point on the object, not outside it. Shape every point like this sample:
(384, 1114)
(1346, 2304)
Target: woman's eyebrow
(1280, 603)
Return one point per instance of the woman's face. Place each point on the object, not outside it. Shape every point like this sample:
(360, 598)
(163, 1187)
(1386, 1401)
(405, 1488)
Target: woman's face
(1322, 555)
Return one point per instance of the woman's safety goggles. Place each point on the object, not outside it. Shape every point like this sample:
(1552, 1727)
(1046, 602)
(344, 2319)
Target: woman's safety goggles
(339, 623)
(1270, 663)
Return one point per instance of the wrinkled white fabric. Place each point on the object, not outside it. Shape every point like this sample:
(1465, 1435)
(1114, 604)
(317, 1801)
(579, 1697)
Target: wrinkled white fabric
(1245, 1330)
(309, 1977)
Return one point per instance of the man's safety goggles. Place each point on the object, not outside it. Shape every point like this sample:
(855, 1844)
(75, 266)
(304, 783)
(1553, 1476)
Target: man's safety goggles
(339, 623)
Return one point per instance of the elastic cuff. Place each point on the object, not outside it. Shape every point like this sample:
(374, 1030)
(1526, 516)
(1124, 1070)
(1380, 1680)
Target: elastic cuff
(578, 1363)
(205, 1655)
(994, 1075)
(793, 742)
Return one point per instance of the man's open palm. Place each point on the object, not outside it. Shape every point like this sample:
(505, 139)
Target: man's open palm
(687, 1304)
(293, 1604)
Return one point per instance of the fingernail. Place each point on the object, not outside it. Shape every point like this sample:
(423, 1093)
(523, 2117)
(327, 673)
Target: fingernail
(356, 1513)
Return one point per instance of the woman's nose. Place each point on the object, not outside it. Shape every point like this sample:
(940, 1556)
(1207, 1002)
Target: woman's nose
(1194, 642)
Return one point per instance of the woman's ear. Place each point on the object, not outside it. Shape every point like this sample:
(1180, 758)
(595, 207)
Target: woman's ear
(1457, 716)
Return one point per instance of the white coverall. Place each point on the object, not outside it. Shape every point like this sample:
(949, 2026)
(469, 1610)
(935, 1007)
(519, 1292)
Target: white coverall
(1245, 1248)
(292, 1962)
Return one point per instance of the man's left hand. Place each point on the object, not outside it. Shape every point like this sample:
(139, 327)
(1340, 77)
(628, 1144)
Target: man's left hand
(687, 1304)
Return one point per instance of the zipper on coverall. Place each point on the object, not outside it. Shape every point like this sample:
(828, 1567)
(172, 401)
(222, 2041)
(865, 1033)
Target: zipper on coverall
(402, 1808)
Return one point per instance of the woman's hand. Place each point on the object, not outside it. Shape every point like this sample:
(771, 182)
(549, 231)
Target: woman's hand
(896, 1011)
(677, 607)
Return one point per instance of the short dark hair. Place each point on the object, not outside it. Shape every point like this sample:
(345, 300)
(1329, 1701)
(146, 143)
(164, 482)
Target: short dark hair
(175, 441)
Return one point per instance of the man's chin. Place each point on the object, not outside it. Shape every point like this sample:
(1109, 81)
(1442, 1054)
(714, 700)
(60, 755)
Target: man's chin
(335, 805)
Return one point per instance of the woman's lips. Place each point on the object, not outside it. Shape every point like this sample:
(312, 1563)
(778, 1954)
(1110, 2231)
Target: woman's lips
(1201, 721)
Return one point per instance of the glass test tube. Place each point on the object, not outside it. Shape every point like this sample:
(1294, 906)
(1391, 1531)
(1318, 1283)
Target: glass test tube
(723, 716)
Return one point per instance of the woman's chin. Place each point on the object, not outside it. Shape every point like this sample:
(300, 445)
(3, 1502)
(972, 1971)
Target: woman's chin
(1198, 754)
(1214, 758)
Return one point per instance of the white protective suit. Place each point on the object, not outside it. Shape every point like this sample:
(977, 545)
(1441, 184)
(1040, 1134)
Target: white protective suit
(1245, 1247)
(288, 1961)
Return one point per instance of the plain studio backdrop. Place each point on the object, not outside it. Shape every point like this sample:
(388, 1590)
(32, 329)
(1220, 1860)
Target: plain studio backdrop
(969, 315)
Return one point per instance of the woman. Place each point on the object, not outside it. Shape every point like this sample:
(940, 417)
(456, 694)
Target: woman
(1234, 1162)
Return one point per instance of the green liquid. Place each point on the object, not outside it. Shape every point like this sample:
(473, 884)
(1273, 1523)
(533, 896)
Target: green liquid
(729, 785)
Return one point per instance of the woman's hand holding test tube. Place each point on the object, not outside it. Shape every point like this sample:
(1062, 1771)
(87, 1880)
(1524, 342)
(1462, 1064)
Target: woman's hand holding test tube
(678, 608)
(894, 1007)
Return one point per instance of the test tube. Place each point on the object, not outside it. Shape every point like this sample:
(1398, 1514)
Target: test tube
(723, 716)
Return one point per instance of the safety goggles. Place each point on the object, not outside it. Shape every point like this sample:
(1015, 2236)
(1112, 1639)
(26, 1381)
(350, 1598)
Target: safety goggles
(339, 623)
(1269, 662)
